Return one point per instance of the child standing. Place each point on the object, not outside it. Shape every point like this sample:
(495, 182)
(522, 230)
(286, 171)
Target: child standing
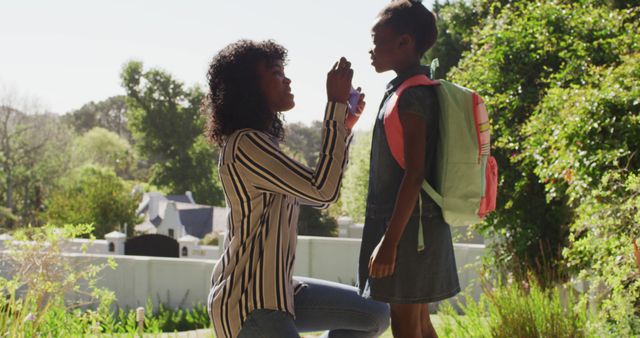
(391, 268)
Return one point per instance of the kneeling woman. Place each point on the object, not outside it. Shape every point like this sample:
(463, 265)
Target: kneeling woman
(253, 291)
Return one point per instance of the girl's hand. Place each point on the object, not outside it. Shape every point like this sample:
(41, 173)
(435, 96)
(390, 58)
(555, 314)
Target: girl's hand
(352, 119)
(339, 81)
(383, 260)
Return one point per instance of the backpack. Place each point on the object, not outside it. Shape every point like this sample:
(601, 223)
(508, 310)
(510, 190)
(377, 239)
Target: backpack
(466, 175)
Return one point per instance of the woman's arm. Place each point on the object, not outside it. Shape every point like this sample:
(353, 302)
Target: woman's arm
(382, 263)
(271, 169)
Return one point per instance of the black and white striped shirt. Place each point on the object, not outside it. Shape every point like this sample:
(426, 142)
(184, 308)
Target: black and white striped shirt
(264, 189)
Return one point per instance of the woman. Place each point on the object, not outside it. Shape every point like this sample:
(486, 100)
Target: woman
(253, 292)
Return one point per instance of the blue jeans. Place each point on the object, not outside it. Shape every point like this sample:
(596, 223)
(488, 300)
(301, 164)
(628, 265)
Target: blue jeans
(322, 305)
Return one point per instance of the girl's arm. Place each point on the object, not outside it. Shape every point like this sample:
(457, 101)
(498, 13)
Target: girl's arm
(382, 262)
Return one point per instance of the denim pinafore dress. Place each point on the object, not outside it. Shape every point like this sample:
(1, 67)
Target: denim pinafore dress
(423, 276)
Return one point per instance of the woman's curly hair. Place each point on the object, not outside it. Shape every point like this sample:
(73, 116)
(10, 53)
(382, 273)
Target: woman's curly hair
(235, 100)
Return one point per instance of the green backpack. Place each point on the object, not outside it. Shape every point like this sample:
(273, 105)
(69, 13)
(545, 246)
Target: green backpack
(466, 175)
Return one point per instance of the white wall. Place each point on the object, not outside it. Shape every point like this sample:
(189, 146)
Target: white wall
(185, 282)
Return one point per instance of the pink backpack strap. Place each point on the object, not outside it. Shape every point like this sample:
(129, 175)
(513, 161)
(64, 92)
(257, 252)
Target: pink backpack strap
(392, 125)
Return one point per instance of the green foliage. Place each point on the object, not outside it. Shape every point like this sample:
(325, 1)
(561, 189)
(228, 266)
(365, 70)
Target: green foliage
(455, 22)
(33, 154)
(517, 310)
(355, 186)
(47, 292)
(110, 114)
(209, 239)
(314, 222)
(521, 52)
(304, 141)
(93, 195)
(49, 295)
(602, 251)
(162, 319)
(578, 133)
(104, 148)
(168, 128)
(582, 142)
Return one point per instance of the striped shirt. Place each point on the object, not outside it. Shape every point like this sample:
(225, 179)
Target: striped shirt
(264, 189)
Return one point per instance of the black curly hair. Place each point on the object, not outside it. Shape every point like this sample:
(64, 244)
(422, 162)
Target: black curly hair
(235, 100)
(411, 17)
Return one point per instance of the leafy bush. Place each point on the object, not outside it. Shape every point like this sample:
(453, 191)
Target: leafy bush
(47, 293)
(519, 310)
(93, 195)
(522, 55)
(314, 222)
(602, 250)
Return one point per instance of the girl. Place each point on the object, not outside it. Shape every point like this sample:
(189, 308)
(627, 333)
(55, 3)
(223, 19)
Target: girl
(391, 268)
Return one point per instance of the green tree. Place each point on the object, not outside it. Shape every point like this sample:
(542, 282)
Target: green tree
(168, 129)
(304, 141)
(520, 52)
(33, 154)
(104, 148)
(456, 21)
(583, 143)
(314, 222)
(93, 195)
(353, 197)
(110, 114)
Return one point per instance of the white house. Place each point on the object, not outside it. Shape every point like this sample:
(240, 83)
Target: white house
(178, 215)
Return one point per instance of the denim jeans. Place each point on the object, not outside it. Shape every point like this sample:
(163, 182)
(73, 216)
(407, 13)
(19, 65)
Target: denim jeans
(321, 306)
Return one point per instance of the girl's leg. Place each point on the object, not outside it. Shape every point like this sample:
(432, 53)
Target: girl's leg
(405, 320)
(428, 331)
(324, 305)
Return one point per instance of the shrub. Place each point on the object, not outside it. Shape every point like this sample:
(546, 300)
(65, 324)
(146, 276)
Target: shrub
(519, 310)
(47, 293)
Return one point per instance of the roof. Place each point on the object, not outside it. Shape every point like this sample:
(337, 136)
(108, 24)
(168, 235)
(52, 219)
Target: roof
(179, 198)
(198, 221)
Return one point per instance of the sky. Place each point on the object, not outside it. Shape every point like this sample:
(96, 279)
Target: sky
(66, 53)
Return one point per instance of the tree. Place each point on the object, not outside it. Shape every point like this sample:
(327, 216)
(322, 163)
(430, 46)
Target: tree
(583, 142)
(168, 131)
(305, 141)
(33, 153)
(93, 195)
(355, 186)
(110, 114)
(314, 222)
(456, 20)
(104, 148)
(520, 52)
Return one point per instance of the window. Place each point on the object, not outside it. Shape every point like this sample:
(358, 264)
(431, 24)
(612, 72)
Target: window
(171, 233)
(112, 247)
(185, 251)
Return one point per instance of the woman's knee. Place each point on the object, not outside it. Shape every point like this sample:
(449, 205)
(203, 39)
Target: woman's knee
(381, 316)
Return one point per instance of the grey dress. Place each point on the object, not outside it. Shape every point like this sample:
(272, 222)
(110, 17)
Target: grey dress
(420, 276)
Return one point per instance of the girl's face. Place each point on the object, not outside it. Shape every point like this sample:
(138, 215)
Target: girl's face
(385, 47)
(275, 86)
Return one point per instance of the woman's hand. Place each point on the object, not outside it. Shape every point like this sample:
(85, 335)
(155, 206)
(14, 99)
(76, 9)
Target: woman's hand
(352, 119)
(383, 259)
(339, 81)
